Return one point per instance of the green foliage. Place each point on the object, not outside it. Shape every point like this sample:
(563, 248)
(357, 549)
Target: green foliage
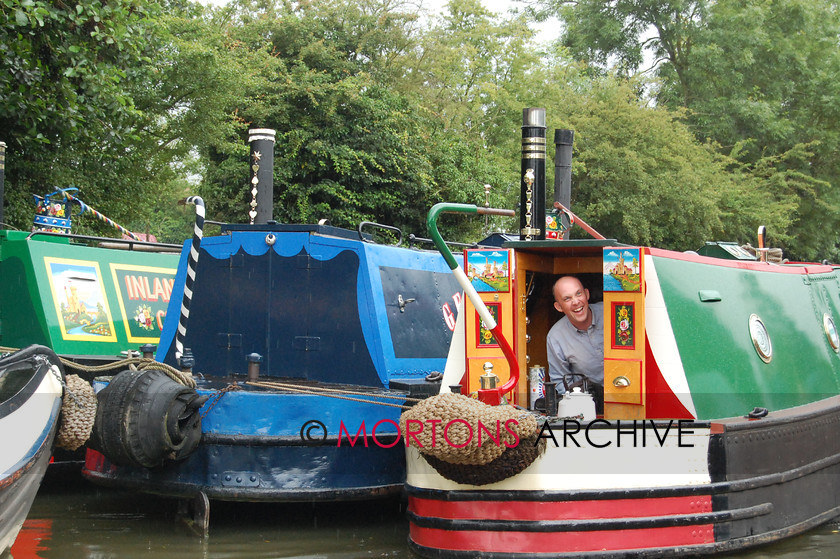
(639, 176)
(63, 90)
(59, 59)
(758, 79)
(380, 114)
(625, 32)
(357, 137)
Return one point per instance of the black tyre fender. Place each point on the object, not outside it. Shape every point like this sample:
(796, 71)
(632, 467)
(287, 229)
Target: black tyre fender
(107, 434)
(146, 418)
(161, 420)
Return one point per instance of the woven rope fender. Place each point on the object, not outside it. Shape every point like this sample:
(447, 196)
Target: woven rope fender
(460, 430)
(511, 462)
(78, 410)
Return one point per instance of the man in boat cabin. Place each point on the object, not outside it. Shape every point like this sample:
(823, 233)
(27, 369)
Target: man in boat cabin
(575, 344)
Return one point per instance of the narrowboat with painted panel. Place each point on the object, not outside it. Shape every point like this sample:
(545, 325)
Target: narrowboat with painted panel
(31, 392)
(94, 301)
(294, 334)
(720, 402)
(90, 304)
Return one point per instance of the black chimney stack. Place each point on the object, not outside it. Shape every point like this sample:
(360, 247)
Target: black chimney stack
(532, 185)
(262, 175)
(563, 140)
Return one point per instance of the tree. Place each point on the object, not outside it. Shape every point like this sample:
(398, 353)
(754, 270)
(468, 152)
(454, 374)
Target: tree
(639, 175)
(757, 80)
(630, 31)
(472, 72)
(63, 87)
(355, 139)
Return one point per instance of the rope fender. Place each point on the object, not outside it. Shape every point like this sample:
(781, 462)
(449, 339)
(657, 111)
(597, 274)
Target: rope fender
(78, 411)
(455, 434)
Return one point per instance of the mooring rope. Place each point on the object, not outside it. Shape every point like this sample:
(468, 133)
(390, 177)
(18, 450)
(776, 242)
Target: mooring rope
(335, 393)
(137, 363)
(198, 233)
(140, 363)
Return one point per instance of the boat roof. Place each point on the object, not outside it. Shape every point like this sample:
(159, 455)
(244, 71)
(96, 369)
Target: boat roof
(292, 228)
(569, 248)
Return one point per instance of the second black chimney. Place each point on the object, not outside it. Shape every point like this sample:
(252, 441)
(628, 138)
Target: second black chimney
(563, 140)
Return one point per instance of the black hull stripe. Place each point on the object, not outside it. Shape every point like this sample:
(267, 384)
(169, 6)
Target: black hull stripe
(242, 494)
(591, 525)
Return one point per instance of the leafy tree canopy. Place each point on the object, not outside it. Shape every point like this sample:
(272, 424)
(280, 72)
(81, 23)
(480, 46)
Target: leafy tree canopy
(756, 79)
(381, 113)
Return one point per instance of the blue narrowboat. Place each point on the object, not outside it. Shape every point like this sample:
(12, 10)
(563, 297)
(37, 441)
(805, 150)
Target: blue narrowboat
(304, 343)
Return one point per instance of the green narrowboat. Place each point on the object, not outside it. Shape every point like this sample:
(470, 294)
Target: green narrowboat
(720, 403)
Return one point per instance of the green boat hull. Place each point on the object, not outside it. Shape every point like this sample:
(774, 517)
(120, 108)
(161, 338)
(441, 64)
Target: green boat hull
(82, 301)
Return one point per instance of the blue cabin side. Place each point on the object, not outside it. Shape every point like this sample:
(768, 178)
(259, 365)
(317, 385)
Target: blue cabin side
(287, 293)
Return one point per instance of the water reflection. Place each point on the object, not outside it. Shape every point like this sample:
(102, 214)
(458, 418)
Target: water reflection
(85, 522)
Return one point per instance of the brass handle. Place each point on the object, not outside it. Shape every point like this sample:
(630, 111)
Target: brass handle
(621, 381)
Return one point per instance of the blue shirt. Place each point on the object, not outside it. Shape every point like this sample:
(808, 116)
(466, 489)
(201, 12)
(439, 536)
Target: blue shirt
(577, 352)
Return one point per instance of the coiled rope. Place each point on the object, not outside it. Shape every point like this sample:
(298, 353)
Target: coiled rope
(509, 443)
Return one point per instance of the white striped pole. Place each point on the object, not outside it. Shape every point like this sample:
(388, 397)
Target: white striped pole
(198, 233)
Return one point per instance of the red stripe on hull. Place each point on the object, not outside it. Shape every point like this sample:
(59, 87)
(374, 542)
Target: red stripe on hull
(560, 542)
(662, 403)
(559, 510)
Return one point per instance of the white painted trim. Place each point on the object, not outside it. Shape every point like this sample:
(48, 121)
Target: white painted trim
(663, 344)
(567, 467)
(456, 361)
(22, 429)
(475, 298)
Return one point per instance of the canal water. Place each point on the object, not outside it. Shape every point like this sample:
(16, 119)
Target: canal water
(81, 521)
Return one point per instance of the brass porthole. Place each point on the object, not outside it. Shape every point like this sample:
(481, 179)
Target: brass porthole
(760, 339)
(831, 332)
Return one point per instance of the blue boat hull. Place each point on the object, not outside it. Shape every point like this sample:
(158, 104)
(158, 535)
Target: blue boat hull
(277, 469)
(325, 311)
(268, 445)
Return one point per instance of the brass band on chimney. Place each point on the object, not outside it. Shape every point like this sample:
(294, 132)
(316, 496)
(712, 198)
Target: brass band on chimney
(532, 187)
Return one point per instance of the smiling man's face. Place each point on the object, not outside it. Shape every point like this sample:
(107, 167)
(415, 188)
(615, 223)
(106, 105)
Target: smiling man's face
(572, 299)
